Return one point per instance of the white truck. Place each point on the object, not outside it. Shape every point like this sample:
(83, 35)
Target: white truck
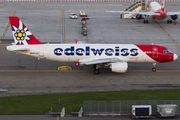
(81, 13)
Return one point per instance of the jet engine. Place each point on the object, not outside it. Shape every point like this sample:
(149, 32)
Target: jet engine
(174, 17)
(120, 67)
(139, 16)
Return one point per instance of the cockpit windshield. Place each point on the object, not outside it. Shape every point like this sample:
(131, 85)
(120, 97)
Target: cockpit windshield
(167, 51)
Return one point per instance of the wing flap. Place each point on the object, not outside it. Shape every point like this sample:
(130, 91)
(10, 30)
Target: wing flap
(98, 61)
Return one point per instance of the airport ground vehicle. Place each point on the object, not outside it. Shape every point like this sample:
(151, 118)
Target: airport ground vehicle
(73, 16)
(81, 13)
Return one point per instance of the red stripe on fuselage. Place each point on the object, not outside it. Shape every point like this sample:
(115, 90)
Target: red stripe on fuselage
(156, 52)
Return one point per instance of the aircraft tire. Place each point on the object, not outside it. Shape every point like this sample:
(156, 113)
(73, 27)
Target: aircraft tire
(145, 21)
(96, 71)
(170, 21)
(154, 69)
(167, 21)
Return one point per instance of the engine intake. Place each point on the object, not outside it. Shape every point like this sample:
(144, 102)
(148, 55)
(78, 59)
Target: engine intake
(139, 16)
(120, 67)
(174, 17)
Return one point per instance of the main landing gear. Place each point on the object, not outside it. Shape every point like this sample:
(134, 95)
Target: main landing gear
(145, 19)
(169, 21)
(154, 67)
(96, 69)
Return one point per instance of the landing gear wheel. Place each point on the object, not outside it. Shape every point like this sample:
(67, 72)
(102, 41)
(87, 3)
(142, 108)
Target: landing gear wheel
(145, 21)
(154, 69)
(96, 71)
(169, 21)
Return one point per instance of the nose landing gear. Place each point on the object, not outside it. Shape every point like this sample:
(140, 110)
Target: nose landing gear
(154, 67)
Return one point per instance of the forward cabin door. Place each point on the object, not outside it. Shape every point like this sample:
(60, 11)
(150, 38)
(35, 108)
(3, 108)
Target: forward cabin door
(155, 52)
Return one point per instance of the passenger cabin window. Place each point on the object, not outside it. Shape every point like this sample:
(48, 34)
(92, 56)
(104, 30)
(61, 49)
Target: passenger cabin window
(167, 51)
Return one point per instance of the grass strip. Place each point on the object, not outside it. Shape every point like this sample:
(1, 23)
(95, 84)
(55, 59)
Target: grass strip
(38, 104)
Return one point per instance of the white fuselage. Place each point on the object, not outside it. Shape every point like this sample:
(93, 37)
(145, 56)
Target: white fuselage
(84, 52)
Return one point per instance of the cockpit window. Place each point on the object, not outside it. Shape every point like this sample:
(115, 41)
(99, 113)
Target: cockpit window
(167, 51)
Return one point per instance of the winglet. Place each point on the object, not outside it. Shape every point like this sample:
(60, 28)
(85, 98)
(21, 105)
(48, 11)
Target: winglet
(76, 63)
(76, 41)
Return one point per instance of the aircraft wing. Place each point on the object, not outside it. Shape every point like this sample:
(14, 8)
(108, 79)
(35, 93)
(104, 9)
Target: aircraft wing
(98, 61)
(142, 13)
(173, 13)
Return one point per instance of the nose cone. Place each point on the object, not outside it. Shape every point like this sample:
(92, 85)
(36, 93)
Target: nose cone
(175, 56)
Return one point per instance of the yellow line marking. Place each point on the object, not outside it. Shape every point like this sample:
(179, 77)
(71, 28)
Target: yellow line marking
(63, 26)
(0, 42)
(167, 34)
(7, 28)
(175, 42)
(170, 37)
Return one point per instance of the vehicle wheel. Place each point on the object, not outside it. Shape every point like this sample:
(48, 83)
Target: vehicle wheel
(167, 21)
(96, 71)
(170, 21)
(144, 21)
(154, 69)
(147, 21)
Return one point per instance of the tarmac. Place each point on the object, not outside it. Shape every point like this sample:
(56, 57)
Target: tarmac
(23, 75)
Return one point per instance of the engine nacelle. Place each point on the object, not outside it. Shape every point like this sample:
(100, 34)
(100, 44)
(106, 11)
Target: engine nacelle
(120, 67)
(139, 16)
(174, 17)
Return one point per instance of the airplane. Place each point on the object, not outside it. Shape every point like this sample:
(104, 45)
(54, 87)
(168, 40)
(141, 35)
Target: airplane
(114, 56)
(157, 11)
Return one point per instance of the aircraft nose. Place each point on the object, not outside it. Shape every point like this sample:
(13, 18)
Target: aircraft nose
(175, 56)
